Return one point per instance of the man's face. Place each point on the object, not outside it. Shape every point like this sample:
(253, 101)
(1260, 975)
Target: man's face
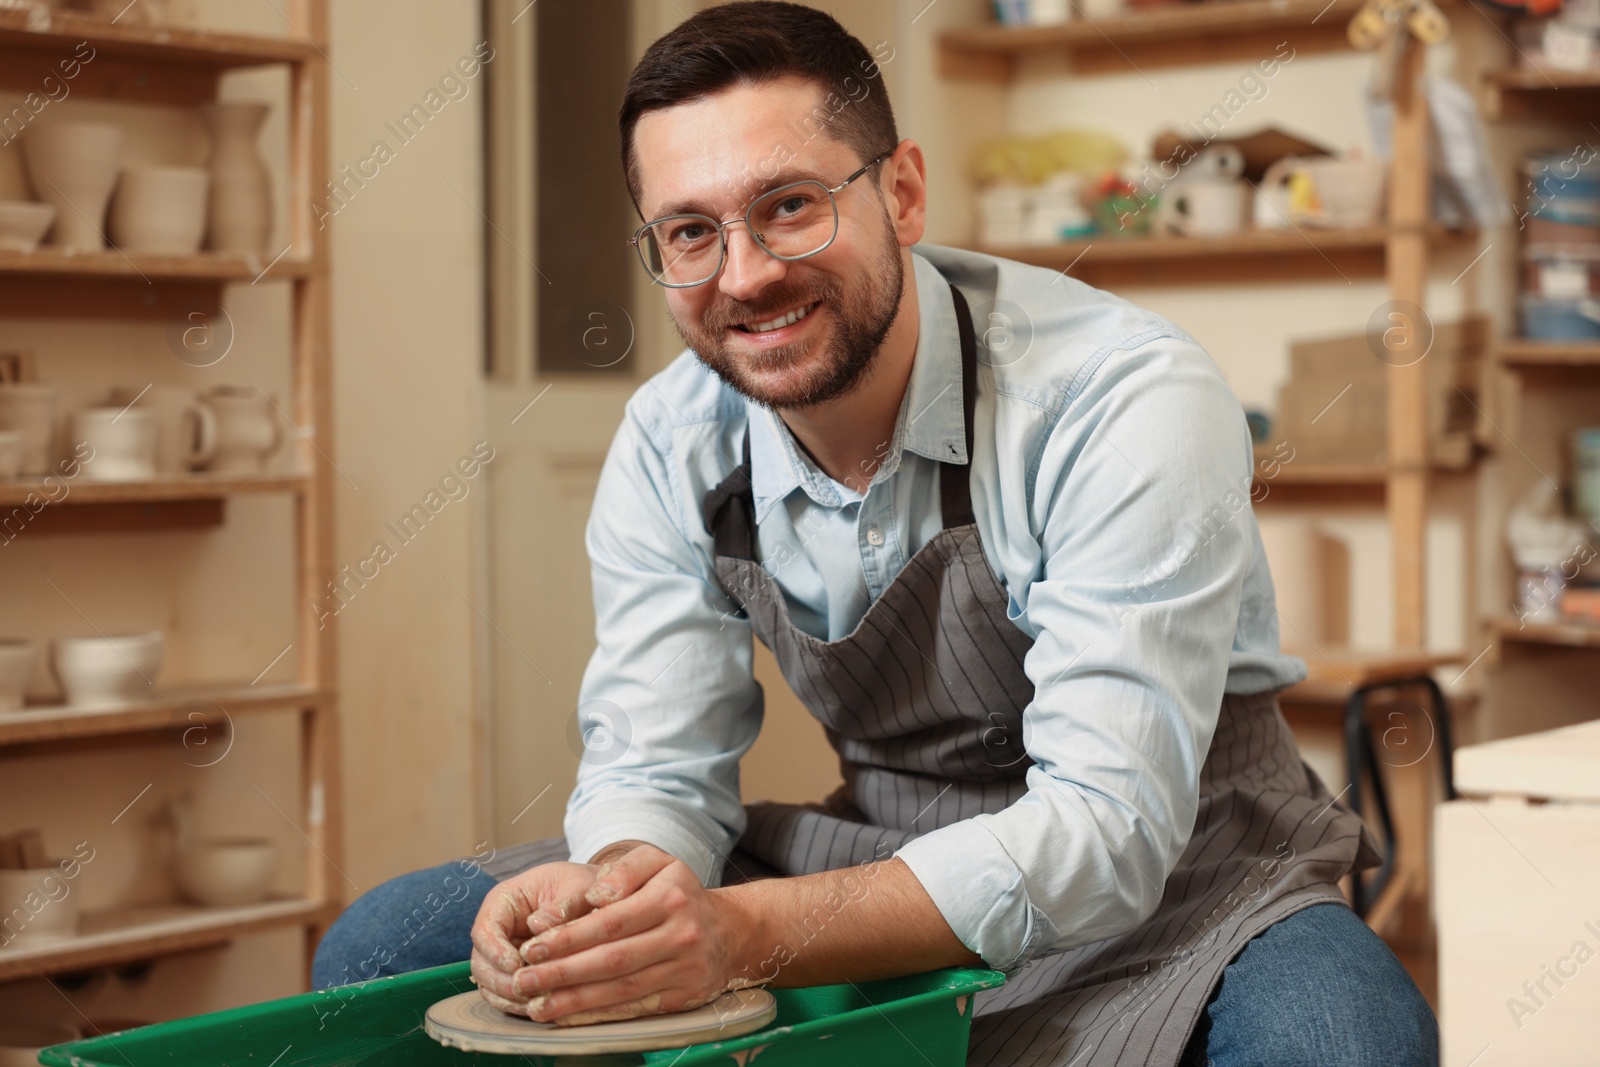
(712, 157)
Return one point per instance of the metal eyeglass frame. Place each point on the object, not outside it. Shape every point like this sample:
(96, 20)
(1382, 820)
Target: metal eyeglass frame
(722, 227)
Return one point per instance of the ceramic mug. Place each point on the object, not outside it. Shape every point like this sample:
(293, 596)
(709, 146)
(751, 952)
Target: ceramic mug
(160, 209)
(123, 442)
(248, 430)
(1205, 207)
(29, 408)
(186, 428)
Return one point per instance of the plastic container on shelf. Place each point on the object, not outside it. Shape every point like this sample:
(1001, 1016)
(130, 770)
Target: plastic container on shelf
(1562, 222)
(923, 1018)
(1561, 272)
(1563, 176)
(1544, 319)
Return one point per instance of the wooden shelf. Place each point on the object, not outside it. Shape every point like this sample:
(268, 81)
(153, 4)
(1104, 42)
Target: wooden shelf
(1566, 360)
(142, 266)
(1551, 95)
(171, 709)
(176, 487)
(1254, 257)
(1560, 634)
(127, 935)
(1183, 34)
(156, 65)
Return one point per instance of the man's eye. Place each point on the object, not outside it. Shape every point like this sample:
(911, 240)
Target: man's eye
(791, 205)
(689, 232)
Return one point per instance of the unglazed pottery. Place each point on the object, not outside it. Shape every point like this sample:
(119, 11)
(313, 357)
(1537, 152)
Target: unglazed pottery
(107, 671)
(160, 210)
(23, 224)
(73, 166)
(226, 872)
(123, 440)
(29, 408)
(248, 429)
(52, 911)
(186, 427)
(241, 185)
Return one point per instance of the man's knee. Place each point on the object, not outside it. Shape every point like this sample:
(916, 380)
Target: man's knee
(1319, 989)
(421, 919)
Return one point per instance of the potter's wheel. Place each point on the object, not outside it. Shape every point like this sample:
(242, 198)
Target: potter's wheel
(470, 1023)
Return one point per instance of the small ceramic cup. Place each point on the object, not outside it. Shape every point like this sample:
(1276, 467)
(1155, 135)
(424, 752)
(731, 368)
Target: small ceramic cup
(160, 209)
(123, 440)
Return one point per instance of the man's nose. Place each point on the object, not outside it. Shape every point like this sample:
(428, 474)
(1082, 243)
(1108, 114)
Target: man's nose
(748, 269)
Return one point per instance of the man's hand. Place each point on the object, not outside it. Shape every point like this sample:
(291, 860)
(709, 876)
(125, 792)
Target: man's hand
(516, 909)
(651, 939)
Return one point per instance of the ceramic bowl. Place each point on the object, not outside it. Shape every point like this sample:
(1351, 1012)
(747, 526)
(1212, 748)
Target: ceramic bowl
(10, 454)
(23, 224)
(160, 209)
(107, 671)
(227, 872)
(45, 897)
(16, 667)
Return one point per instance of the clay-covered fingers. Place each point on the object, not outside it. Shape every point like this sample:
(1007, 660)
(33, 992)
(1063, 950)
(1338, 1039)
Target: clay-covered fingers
(529, 903)
(627, 875)
(621, 946)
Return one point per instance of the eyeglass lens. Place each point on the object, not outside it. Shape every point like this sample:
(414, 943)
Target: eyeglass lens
(789, 223)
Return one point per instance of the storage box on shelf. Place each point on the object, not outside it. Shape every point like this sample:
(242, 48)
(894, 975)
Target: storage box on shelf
(177, 67)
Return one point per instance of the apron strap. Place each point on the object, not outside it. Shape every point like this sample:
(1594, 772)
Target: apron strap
(729, 509)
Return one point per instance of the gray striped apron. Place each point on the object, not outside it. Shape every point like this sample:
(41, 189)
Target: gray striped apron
(923, 702)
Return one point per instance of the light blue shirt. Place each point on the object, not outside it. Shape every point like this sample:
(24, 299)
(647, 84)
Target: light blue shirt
(1110, 479)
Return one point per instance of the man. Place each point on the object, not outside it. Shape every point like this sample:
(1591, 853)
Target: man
(995, 526)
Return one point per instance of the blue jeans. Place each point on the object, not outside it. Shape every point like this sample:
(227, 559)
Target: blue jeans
(1317, 989)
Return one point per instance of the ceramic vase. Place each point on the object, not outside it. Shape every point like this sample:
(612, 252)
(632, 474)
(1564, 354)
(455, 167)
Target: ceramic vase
(73, 166)
(160, 209)
(241, 187)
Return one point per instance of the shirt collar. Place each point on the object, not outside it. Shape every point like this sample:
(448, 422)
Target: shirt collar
(930, 422)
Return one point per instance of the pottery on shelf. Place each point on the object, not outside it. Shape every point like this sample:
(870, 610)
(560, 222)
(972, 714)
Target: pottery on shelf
(107, 671)
(241, 185)
(55, 919)
(73, 166)
(23, 224)
(248, 428)
(186, 427)
(10, 454)
(16, 667)
(22, 1038)
(219, 872)
(160, 210)
(29, 408)
(121, 443)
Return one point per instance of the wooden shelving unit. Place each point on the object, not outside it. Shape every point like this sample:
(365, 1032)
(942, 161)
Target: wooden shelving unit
(165, 66)
(1253, 257)
(1176, 36)
(1552, 95)
(1399, 251)
(1568, 360)
(1550, 634)
(128, 935)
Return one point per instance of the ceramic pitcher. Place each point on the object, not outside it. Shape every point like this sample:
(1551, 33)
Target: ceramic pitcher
(241, 186)
(248, 430)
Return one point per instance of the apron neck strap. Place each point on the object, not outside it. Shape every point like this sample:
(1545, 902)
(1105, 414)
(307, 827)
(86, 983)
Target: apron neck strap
(729, 509)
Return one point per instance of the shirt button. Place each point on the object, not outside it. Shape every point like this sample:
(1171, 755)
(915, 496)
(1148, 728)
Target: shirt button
(874, 536)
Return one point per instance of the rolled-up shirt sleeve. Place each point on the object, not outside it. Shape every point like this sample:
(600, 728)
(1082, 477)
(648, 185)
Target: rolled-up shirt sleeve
(668, 703)
(1140, 509)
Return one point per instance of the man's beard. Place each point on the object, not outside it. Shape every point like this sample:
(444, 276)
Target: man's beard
(861, 321)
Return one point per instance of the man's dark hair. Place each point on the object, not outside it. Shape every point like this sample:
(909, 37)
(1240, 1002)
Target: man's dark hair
(758, 41)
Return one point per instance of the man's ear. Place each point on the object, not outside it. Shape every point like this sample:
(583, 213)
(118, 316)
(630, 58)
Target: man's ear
(905, 188)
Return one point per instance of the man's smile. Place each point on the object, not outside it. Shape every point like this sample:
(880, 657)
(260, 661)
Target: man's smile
(776, 328)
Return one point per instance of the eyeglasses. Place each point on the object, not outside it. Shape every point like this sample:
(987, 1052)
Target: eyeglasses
(790, 222)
